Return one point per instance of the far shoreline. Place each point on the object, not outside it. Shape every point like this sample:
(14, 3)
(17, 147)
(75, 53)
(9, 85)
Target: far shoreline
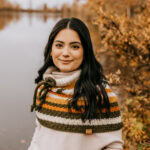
(31, 10)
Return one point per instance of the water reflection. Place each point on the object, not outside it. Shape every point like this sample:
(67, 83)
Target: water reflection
(22, 41)
(7, 17)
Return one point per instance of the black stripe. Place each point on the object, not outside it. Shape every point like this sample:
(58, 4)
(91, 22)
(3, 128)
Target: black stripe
(77, 115)
(66, 106)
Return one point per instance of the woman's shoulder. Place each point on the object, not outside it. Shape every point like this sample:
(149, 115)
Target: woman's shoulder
(113, 98)
(110, 92)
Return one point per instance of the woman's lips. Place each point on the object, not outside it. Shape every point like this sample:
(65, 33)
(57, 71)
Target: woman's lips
(65, 61)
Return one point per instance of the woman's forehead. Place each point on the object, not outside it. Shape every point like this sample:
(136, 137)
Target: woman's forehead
(67, 35)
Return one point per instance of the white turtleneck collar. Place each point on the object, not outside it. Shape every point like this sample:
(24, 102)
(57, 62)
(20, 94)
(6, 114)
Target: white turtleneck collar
(62, 78)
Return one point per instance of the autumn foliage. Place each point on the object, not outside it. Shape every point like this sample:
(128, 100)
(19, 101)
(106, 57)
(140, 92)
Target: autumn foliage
(127, 34)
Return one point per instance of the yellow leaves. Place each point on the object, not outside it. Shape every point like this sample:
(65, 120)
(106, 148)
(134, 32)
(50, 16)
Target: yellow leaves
(118, 72)
(134, 63)
(147, 116)
(144, 74)
(139, 128)
(136, 119)
(133, 129)
(114, 78)
(129, 39)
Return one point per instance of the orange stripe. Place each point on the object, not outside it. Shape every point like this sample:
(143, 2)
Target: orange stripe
(56, 100)
(57, 108)
(61, 101)
(113, 99)
(80, 102)
(108, 90)
(112, 109)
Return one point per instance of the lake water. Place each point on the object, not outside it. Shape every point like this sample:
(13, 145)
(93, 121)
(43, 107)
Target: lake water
(22, 41)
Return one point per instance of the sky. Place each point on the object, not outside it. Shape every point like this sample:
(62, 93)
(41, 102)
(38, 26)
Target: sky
(37, 3)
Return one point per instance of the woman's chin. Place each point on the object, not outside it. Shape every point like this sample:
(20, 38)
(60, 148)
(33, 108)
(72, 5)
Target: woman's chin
(66, 69)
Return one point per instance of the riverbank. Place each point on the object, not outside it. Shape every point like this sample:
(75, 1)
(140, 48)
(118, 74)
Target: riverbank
(52, 10)
(126, 40)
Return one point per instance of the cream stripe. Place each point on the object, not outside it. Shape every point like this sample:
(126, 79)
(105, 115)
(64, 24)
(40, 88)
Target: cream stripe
(69, 92)
(65, 121)
(111, 94)
(56, 96)
(66, 91)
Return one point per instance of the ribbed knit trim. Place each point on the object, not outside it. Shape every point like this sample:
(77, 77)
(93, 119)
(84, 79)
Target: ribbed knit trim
(75, 122)
(80, 128)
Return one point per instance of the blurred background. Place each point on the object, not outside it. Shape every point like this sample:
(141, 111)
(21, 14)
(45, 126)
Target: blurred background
(120, 32)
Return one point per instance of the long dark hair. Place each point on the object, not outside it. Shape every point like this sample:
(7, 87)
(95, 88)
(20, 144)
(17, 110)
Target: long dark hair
(91, 83)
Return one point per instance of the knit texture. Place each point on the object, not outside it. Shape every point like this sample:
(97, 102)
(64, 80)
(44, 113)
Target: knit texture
(54, 112)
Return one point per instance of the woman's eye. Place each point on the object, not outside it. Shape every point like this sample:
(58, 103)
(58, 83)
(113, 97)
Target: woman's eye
(75, 47)
(58, 45)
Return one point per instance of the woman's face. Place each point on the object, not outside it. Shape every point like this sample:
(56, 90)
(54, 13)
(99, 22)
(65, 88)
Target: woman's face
(67, 50)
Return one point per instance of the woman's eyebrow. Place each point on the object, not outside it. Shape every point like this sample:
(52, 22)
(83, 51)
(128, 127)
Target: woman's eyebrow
(59, 41)
(75, 42)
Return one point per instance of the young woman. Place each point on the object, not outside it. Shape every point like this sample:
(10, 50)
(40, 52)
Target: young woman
(75, 107)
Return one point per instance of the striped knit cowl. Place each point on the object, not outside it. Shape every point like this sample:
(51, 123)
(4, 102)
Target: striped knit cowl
(51, 104)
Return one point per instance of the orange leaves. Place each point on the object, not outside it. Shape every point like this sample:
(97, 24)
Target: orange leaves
(134, 62)
(114, 78)
(129, 39)
(136, 116)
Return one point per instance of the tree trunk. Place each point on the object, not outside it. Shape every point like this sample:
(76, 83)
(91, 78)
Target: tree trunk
(128, 12)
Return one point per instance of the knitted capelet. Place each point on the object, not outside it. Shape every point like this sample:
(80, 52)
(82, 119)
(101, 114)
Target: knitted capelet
(51, 104)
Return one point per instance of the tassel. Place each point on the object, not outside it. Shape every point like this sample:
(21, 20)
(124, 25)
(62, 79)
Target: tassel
(47, 84)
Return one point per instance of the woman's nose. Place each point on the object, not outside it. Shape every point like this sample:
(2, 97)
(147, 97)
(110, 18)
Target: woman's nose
(66, 51)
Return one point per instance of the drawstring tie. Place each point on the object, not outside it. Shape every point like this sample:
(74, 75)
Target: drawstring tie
(46, 85)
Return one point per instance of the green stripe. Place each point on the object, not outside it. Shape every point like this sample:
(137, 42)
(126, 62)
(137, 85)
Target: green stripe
(76, 115)
(80, 129)
(66, 106)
